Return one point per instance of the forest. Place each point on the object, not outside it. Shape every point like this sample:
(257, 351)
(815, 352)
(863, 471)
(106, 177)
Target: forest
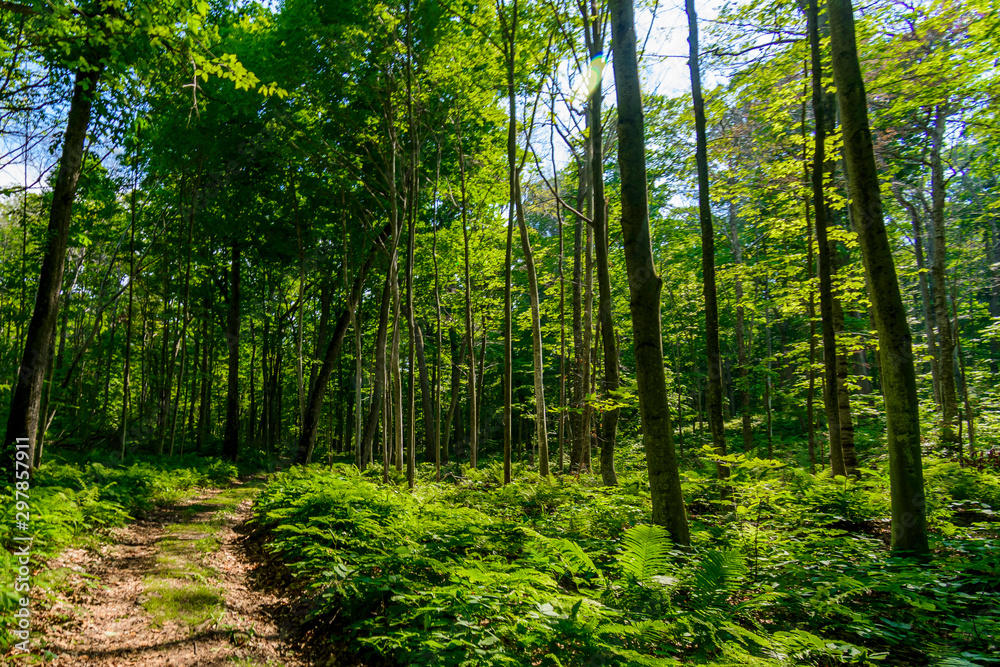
(500, 333)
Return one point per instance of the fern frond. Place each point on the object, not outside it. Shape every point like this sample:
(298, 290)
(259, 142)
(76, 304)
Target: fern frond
(646, 552)
(576, 559)
(717, 576)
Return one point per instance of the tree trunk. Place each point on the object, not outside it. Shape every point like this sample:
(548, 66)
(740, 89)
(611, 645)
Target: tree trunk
(820, 208)
(946, 343)
(426, 396)
(741, 345)
(359, 379)
(396, 378)
(378, 388)
(586, 432)
(992, 240)
(576, 452)
(541, 425)
(594, 33)
(204, 400)
(909, 520)
(22, 419)
(457, 351)
(470, 337)
(127, 373)
(712, 351)
(925, 295)
(644, 284)
(231, 441)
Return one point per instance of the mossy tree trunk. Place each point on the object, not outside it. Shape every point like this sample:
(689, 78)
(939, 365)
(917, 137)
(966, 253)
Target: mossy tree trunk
(909, 519)
(644, 283)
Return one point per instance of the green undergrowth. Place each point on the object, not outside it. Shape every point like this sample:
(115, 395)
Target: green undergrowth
(790, 569)
(74, 499)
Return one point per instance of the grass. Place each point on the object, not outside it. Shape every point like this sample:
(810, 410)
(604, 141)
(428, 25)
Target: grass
(180, 587)
(171, 599)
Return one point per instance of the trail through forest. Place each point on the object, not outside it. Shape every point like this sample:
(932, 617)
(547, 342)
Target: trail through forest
(175, 588)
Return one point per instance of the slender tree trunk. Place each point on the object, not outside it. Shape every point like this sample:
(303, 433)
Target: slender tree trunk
(457, 351)
(992, 240)
(964, 379)
(925, 295)
(810, 273)
(469, 335)
(541, 425)
(820, 208)
(508, 345)
(378, 388)
(396, 378)
(741, 346)
(231, 441)
(946, 343)
(440, 333)
(185, 319)
(909, 520)
(712, 351)
(562, 355)
(204, 401)
(644, 284)
(411, 206)
(588, 349)
(843, 395)
(358, 383)
(127, 373)
(22, 419)
(580, 357)
(594, 33)
(426, 396)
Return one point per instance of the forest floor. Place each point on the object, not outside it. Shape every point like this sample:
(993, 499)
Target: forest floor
(173, 588)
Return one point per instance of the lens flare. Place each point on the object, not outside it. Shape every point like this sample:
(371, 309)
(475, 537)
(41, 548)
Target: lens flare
(597, 64)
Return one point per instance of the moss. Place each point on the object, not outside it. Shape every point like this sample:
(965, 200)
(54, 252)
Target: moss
(169, 598)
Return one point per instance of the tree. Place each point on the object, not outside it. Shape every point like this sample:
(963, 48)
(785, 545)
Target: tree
(714, 390)
(644, 283)
(909, 519)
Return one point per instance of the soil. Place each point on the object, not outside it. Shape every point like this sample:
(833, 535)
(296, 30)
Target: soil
(175, 588)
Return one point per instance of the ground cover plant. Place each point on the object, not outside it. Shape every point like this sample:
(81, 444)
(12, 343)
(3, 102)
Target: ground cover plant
(788, 569)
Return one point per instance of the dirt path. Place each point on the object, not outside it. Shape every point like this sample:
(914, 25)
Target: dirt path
(172, 590)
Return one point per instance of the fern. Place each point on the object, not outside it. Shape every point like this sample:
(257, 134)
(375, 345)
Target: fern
(576, 559)
(646, 552)
(716, 577)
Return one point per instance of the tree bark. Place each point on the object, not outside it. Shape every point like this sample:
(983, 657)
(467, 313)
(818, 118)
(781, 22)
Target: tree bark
(712, 351)
(231, 439)
(909, 520)
(992, 241)
(820, 208)
(426, 396)
(644, 284)
(593, 31)
(22, 419)
(378, 388)
(541, 424)
(925, 296)
(470, 337)
(946, 342)
(580, 358)
(741, 345)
